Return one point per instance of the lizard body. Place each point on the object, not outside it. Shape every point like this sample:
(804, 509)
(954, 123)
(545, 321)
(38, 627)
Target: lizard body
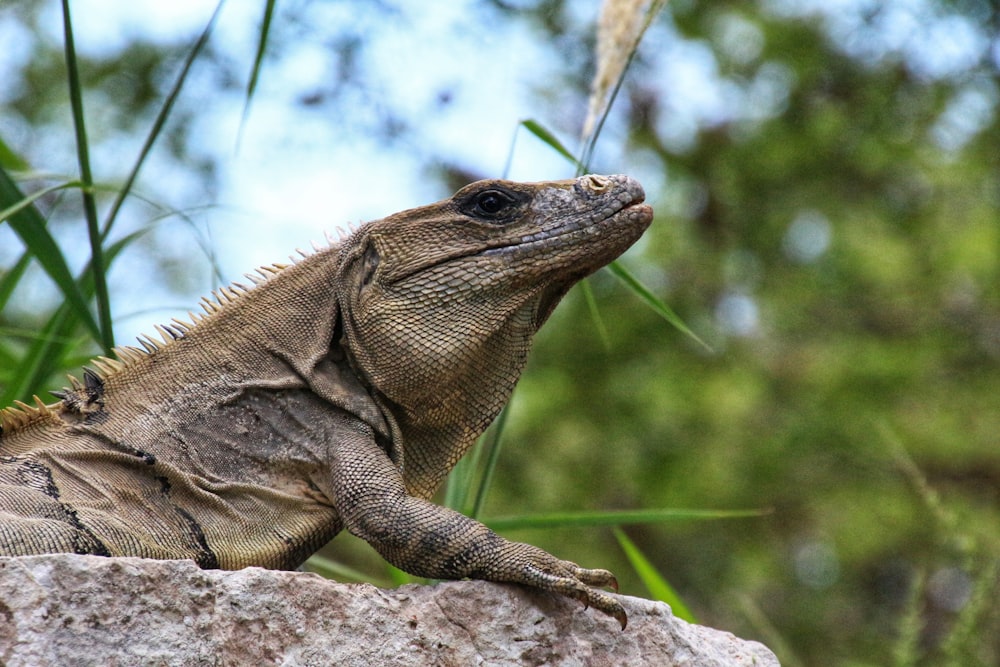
(337, 392)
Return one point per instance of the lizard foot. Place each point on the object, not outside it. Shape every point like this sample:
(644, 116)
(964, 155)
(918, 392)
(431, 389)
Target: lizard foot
(544, 571)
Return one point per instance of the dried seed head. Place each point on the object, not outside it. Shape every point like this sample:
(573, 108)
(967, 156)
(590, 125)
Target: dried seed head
(619, 30)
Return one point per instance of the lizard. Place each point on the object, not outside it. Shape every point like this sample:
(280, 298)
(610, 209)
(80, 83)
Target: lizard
(334, 392)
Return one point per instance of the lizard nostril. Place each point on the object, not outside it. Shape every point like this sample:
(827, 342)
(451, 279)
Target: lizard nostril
(597, 183)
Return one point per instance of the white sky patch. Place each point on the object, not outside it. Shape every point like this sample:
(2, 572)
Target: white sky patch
(105, 27)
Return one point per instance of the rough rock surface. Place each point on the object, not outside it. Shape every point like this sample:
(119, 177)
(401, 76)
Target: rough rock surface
(87, 610)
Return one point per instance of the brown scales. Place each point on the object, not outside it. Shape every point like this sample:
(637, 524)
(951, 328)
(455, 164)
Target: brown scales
(80, 398)
(336, 392)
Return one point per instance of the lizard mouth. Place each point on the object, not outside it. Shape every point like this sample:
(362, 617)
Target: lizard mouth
(627, 224)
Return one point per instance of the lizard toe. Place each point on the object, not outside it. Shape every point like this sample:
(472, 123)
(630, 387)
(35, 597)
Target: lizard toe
(599, 578)
(569, 579)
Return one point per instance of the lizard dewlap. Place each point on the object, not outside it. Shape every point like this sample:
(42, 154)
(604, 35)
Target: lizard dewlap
(336, 392)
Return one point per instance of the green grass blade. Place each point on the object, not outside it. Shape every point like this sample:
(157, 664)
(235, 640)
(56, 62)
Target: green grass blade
(591, 519)
(52, 344)
(159, 123)
(658, 306)
(462, 478)
(97, 262)
(331, 569)
(258, 61)
(7, 359)
(12, 277)
(595, 313)
(549, 139)
(30, 226)
(33, 334)
(906, 649)
(400, 578)
(35, 196)
(459, 483)
(659, 588)
(462, 481)
(494, 445)
(11, 160)
(956, 647)
(43, 356)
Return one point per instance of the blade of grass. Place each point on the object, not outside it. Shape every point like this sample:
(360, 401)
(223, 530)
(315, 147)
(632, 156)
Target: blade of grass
(12, 277)
(591, 519)
(399, 577)
(32, 334)
(494, 445)
(550, 140)
(35, 196)
(595, 313)
(906, 649)
(7, 359)
(265, 30)
(44, 356)
(106, 339)
(658, 306)
(30, 226)
(659, 588)
(773, 638)
(158, 124)
(331, 569)
(967, 626)
(11, 160)
(460, 480)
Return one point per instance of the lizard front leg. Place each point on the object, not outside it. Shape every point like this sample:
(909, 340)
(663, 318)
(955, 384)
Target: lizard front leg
(428, 540)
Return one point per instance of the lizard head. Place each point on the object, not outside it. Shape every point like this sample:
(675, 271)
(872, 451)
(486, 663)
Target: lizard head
(444, 299)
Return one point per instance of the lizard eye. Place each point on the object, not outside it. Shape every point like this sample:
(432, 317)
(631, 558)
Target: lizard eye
(492, 202)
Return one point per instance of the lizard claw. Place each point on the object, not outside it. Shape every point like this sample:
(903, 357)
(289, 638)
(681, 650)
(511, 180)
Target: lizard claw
(603, 603)
(558, 576)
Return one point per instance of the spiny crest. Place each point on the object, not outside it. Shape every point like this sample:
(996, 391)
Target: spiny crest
(21, 415)
(88, 396)
(178, 329)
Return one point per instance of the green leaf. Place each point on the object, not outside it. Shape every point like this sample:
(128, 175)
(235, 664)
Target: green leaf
(618, 518)
(11, 160)
(493, 446)
(658, 306)
(55, 339)
(29, 225)
(659, 588)
(35, 196)
(106, 337)
(595, 313)
(550, 139)
(265, 31)
(159, 123)
(10, 279)
(331, 569)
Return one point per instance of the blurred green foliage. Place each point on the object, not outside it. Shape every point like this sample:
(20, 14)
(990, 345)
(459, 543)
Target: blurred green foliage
(835, 239)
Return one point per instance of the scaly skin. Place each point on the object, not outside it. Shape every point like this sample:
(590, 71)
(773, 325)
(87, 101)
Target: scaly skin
(338, 392)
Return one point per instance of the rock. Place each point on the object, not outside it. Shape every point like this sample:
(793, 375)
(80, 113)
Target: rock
(87, 610)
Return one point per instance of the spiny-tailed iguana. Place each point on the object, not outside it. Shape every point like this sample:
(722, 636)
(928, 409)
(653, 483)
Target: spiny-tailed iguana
(336, 392)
